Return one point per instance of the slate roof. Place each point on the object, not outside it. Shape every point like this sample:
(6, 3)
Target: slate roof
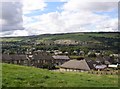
(92, 63)
(23, 57)
(108, 59)
(61, 57)
(38, 56)
(100, 59)
(6, 57)
(100, 66)
(117, 60)
(76, 64)
(13, 57)
(41, 56)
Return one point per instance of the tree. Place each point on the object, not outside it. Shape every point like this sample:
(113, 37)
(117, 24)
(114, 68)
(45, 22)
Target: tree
(92, 55)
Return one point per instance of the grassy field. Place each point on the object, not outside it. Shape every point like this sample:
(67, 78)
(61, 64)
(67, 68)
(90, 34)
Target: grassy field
(22, 76)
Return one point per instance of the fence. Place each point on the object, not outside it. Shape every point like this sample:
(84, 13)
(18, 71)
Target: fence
(104, 72)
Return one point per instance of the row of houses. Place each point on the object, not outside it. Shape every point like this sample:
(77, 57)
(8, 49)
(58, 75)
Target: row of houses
(37, 59)
(46, 60)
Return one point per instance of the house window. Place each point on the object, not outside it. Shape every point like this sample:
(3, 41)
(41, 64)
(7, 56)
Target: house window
(43, 61)
(15, 62)
(38, 61)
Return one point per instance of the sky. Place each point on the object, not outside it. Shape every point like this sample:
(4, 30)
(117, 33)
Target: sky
(34, 17)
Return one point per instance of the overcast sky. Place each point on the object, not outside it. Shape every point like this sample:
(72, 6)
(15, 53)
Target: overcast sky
(34, 17)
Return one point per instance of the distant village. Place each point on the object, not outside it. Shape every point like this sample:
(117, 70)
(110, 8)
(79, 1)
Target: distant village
(57, 60)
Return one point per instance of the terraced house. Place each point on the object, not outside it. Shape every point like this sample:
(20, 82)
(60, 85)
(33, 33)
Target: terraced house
(41, 59)
(60, 59)
(37, 59)
(15, 59)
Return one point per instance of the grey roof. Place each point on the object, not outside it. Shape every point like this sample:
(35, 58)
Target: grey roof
(76, 64)
(42, 56)
(107, 62)
(117, 60)
(109, 59)
(91, 64)
(13, 57)
(23, 57)
(100, 66)
(100, 59)
(61, 57)
(6, 57)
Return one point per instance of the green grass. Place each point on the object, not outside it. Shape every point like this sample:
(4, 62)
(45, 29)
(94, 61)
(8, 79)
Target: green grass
(78, 37)
(23, 76)
(81, 37)
(10, 39)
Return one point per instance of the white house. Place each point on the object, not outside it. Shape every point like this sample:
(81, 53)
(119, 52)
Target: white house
(113, 66)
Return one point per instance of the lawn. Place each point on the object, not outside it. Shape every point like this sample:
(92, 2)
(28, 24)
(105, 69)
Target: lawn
(23, 76)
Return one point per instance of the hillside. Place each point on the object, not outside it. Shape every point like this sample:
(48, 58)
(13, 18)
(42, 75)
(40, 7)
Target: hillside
(88, 36)
(22, 76)
(106, 41)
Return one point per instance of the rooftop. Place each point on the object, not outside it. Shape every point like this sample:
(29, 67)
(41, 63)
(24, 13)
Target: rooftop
(61, 57)
(76, 64)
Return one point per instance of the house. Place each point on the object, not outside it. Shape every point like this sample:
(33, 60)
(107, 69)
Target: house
(97, 54)
(37, 59)
(24, 60)
(66, 53)
(100, 67)
(60, 59)
(81, 53)
(15, 59)
(75, 65)
(100, 60)
(91, 63)
(6, 58)
(115, 66)
(115, 55)
(108, 60)
(41, 60)
(57, 52)
(117, 60)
